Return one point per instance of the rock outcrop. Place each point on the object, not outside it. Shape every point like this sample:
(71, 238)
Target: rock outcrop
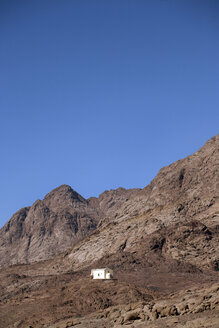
(54, 224)
(182, 192)
(48, 227)
(176, 215)
(161, 241)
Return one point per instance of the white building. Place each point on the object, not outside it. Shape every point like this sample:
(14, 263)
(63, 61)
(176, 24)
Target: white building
(104, 273)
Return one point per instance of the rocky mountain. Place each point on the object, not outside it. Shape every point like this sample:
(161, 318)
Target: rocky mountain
(185, 190)
(161, 241)
(54, 224)
(47, 227)
(178, 212)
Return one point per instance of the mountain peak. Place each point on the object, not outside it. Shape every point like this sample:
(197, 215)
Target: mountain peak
(64, 193)
(52, 225)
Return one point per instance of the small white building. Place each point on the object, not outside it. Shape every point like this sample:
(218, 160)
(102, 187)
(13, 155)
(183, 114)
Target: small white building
(104, 273)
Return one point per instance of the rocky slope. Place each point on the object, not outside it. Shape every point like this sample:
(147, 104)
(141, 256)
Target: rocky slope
(54, 224)
(162, 243)
(49, 226)
(194, 308)
(177, 215)
(185, 189)
(36, 296)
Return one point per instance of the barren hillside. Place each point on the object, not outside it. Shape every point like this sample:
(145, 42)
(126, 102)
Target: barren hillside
(162, 243)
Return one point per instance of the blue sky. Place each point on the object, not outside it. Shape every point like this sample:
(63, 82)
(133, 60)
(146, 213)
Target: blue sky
(102, 94)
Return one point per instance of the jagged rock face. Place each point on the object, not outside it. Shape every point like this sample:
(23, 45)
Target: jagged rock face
(162, 243)
(185, 190)
(192, 177)
(184, 193)
(47, 228)
(54, 224)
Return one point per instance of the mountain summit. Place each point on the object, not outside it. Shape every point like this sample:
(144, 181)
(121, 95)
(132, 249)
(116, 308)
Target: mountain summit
(47, 228)
(184, 190)
(162, 243)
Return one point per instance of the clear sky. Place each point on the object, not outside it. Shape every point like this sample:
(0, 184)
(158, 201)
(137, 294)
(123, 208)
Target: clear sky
(99, 94)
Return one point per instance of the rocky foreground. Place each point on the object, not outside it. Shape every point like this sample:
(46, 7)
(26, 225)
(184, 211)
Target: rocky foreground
(30, 298)
(192, 308)
(162, 243)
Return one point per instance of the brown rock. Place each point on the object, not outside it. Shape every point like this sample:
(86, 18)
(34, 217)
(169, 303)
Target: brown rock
(158, 241)
(131, 316)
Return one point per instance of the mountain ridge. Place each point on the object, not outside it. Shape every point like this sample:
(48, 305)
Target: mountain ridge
(162, 243)
(63, 217)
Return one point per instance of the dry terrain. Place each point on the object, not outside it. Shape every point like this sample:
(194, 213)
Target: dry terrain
(161, 241)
